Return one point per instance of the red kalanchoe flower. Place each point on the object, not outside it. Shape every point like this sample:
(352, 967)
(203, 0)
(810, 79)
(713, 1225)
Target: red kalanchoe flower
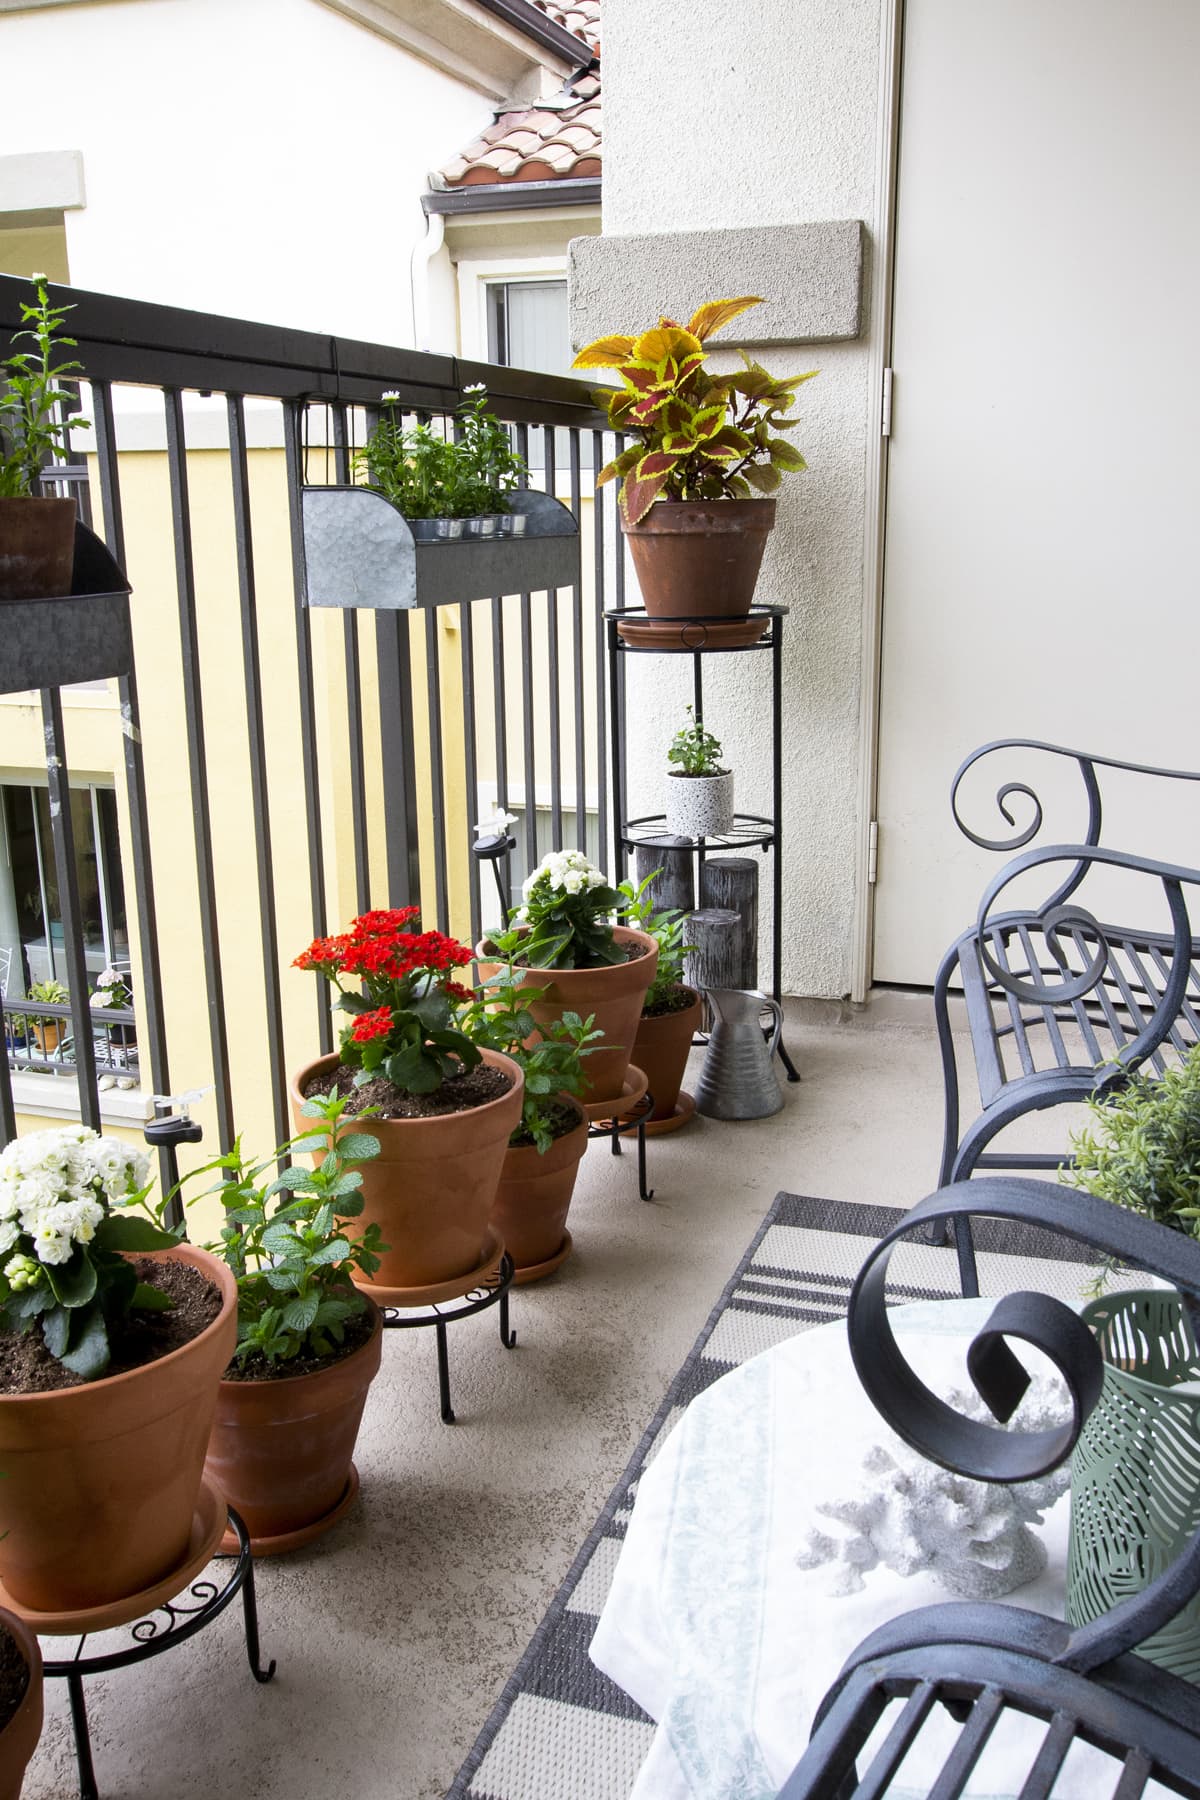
(454, 990)
(370, 1025)
(322, 954)
(385, 922)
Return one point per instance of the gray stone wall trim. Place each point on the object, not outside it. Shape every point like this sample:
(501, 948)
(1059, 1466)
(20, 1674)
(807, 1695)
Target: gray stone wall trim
(810, 277)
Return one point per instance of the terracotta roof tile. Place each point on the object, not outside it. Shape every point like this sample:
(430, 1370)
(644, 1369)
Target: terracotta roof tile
(560, 139)
(580, 16)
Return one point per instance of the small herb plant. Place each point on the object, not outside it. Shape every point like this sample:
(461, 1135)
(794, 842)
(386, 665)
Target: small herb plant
(668, 929)
(431, 476)
(695, 750)
(69, 1203)
(549, 1053)
(566, 921)
(404, 1017)
(1141, 1148)
(34, 422)
(490, 466)
(284, 1239)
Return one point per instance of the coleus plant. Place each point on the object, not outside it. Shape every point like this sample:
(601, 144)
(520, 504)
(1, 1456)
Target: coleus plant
(699, 436)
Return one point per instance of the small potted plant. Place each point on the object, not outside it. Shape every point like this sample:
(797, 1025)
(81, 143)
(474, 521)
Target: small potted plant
(1134, 1496)
(544, 1152)
(442, 1107)
(671, 1012)
(37, 534)
(48, 1031)
(695, 483)
(699, 789)
(564, 937)
(491, 468)
(20, 1701)
(444, 485)
(113, 992)
(308, 1342)
(114, 1338)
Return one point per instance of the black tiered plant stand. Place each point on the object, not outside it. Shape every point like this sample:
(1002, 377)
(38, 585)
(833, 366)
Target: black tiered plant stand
(691, 638)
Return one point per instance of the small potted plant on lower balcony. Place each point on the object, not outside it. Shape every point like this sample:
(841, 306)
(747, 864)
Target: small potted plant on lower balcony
(671, 1012)
(565, 941)
(699, 788)
(48, 1031)
(308, 1342)
(442, 1107)
(37, 533)
(114, 1335)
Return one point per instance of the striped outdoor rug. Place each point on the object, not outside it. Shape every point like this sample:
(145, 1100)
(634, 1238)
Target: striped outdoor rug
(563, 1731)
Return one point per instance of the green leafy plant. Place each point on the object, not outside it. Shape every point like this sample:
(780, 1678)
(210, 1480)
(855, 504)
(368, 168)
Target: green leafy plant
(668, 929)
(284, 1238)
(549, 1053)
(53, 993)
(69, 1201)
(428, 475)
(1141, 1147)
(404, 1017)
(566, 921)
(695, 750)
(699, 436)
(34, 420)
(490, 467)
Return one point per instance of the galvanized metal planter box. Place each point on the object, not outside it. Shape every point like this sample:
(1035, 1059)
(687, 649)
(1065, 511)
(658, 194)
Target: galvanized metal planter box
(360, 552)
(81, 636)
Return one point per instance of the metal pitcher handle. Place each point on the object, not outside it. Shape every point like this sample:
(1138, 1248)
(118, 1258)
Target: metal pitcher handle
(777, 1011)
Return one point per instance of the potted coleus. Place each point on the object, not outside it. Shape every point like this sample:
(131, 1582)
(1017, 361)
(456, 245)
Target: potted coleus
(114, 1338)
(1135, 1501)
(37, 533)
(441, 1107)
(695, 483)
(699, 787)
(20, 1701)
(308, 1342)
(671, 1012)
(566, 943)
(544, 1152)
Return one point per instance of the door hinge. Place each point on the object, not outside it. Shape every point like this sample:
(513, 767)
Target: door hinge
(873, 852)
(885, 422)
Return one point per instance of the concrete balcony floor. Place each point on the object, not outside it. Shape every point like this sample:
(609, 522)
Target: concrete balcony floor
(396, 1632)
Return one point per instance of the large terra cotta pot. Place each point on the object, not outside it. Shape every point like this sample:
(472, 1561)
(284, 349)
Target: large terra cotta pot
(661, 1051)
(431, 1187)
(613, 993)
(700, 558)
(18, 1739)
(534, 1196)
(280, 1450)
(37, 547)
(101, 1481)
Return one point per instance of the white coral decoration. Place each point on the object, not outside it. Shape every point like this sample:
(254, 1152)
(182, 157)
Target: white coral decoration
(909, 1515)
(54, 1186)
(496, 823)
(567, 871)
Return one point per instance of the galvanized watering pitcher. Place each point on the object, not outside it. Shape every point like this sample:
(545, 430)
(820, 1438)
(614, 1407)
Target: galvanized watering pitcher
(738, 1080)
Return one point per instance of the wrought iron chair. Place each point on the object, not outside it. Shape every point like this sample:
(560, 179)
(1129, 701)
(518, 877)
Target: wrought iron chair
(1059, 1006)
(981, 1662)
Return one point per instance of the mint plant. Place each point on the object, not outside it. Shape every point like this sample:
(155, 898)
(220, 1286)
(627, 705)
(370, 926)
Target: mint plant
(695, 750)
(34, 422)
(549, 1052)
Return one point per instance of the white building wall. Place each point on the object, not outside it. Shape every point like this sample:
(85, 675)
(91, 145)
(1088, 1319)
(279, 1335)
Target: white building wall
(766, 115)
(260, 158)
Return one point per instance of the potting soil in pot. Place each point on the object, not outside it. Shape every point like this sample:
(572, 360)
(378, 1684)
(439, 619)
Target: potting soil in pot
(475, 1088)
(14, 1677)
(256, 1368)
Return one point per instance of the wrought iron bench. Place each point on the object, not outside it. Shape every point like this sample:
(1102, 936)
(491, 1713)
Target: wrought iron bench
(981, 1662)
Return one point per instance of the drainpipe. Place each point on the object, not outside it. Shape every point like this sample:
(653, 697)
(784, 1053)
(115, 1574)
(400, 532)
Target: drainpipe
(422, 257)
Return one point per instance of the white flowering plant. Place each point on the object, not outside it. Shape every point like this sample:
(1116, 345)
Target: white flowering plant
(72, 1207)
(566, 921)
(111, 989)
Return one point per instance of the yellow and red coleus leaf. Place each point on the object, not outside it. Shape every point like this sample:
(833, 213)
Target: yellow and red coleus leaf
(726, 446)
(714, 313)
(621, 465)
(708, 421)
(641, 376)
(667, 341)
(604, 353)
(645, 483)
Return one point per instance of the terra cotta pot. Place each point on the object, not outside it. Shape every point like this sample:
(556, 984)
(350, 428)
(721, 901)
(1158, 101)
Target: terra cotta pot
(101, 1481)
(18, 1739)
(614, 993)
(280, 1449)
(534, 1195)
(37, 547)
(661, 1050)
(431, 1187)
(700, 558)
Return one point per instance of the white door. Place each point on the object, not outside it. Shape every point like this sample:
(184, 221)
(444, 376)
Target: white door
(1042, 547)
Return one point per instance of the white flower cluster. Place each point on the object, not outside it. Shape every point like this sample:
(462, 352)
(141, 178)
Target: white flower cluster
(564, 871)
(53, 1189)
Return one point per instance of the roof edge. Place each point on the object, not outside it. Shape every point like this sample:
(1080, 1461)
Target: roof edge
(535, 24)
(507, 196)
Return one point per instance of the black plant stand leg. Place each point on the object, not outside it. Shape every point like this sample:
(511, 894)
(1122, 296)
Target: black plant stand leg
(793, 1073)
(83, 1739)
(443, 1359)
(250, 1619)
(645, 1192)
(507, 1338)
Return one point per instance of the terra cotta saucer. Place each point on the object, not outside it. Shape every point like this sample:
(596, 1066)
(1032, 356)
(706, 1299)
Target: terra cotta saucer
(304, 1534)
(453, 1288)
(693, 634)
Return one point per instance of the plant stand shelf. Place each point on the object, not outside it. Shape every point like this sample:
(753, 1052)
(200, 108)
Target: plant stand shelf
(628, 635)
(156, 1623)
(490, 1290)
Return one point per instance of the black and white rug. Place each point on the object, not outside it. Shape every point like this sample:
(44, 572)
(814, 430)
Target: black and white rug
(563, 1731)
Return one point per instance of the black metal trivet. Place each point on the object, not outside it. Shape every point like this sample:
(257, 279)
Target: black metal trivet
(492, 1289)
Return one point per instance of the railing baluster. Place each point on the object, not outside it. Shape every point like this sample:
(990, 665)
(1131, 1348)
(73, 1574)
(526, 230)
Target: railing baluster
(466, 624)
(601, 691)
(62, 828)
(577, 660)
(358, 779)
(437, 765)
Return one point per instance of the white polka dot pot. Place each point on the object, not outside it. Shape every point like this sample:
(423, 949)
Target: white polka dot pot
(700, 805)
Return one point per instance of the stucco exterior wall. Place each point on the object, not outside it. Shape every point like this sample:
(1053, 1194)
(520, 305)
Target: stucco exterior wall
(769, 119)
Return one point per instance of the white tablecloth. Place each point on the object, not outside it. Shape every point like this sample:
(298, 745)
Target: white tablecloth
(712, 1628)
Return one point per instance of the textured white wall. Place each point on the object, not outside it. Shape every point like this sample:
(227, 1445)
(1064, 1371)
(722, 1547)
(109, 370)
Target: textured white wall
(264, 160)
(764, 115)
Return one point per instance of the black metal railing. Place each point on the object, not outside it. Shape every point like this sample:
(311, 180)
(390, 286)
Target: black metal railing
(396, 739)
(39, 1038)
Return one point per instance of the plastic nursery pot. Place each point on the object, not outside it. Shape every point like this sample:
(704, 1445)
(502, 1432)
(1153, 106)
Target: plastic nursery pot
(281, 1449)
(661, 1052)
(18, 1739)
(37, 547)
(700, 558)
(431, 1187)
(101, 1481)
(534, 1197)
(615, 993)
(700, 805)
